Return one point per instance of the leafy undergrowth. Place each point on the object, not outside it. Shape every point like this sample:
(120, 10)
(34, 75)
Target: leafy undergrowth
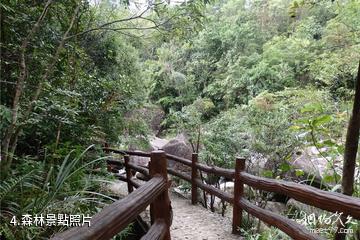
(40, 188)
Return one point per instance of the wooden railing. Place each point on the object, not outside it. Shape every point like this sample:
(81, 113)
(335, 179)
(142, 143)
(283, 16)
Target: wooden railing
(116, 216)
(330, 201)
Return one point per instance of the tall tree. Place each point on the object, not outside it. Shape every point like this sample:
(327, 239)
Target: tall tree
(351, 148)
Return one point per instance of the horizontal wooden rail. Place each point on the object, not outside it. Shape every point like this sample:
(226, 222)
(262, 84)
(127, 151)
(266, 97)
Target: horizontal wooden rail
(135, 184)
(330, 201)
(137, 168)
(115, 217)
(215, 191)
(128, 152)
(184, 161)
(157, 231)
(210, 169)
(140, 169)
(208, 188)
(124, 179)
(120, 177)
(293, 229)
(228, 173)
(181, 175)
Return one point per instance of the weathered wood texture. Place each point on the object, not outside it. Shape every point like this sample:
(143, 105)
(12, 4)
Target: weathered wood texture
(293, 229)
(137, 168)
(127, 152)
(330, 201)
(222, 172)
(238, 193)
(121, 177)
(140, 169)
(160, 208)
(116, 216)
(157, 231)
(215, 191)
(124, 179)
(128, 173)
(194, 176)
(228, 173)
(208, 188)
(181, 175)
(184, 161)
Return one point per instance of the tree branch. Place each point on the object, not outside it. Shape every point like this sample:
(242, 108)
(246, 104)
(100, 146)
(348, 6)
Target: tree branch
(103, 26)
(20, 84)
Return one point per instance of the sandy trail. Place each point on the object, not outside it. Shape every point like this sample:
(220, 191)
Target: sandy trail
(194, 222)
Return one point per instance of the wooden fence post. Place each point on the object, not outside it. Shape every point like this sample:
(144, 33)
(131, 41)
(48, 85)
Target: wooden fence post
(160, 208)
(238, 193)
(194, 175)
(128, 173)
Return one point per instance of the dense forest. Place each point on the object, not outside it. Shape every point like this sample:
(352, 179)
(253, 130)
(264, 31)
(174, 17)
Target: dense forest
(270, 80)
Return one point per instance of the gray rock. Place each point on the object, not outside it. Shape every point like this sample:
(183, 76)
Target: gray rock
(256, 164)
(180, 147)
(312, 163)
(276, 207)
(158, 143)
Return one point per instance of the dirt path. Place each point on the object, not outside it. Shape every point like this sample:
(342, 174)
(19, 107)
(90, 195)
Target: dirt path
(197, 223)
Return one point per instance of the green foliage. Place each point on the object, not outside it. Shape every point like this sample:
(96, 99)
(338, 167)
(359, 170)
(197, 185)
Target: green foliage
(43, 188)
(238, 77)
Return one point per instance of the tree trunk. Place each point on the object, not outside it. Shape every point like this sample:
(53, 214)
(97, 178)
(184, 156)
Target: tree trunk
(351, 148)
(14, 130)
(19, 88)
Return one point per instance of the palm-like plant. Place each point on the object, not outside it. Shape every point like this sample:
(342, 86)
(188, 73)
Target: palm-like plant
(71, 190)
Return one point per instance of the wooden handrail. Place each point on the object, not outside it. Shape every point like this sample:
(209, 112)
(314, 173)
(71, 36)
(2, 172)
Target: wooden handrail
(140, 169)
(181, 175)
(228, 173)
(184, 161)
(291, 228)
(330, 201)
(215, 191)
(157, 231)
(116, 216)
(223, 172)
(194, 176)
(127, 152)
(161, 207)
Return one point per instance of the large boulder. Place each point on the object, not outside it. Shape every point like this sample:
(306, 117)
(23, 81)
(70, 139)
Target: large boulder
(158, 143)
(314, 164)
(307, 159)
(155, 144)
(140, 161)
(257, 163)
(179, 146)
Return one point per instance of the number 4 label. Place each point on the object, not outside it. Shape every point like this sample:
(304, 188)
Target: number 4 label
(13, 221)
